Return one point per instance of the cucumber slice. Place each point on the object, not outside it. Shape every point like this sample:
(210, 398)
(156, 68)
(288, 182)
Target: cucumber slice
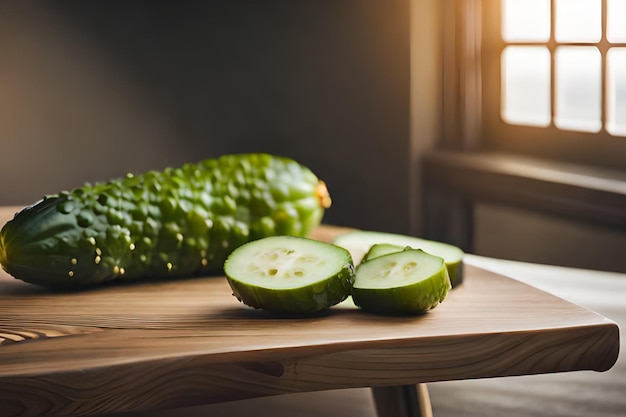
(288, 274)
(407, 282)
(359, 242)
(380, 249)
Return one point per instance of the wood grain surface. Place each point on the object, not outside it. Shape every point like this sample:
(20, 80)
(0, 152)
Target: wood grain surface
(162, 344)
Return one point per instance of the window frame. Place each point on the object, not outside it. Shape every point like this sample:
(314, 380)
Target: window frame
(568, 175)
(472, 91)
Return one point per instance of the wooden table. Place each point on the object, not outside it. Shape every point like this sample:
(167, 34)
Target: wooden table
(157, 345)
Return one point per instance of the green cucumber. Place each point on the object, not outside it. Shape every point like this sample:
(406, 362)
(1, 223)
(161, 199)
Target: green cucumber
(359, 242)
(410, 281)
(380, 249)
(287, 274)
(173, 223)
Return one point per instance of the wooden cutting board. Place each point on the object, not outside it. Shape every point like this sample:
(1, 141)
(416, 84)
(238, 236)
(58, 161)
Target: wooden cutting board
(186, 342)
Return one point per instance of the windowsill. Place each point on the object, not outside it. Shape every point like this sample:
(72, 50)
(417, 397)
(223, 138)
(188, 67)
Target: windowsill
(581, 193)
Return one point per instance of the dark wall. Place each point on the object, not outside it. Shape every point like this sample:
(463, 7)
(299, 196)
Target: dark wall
(95, 89)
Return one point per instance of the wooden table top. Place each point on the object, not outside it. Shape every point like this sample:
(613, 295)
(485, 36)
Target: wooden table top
(186, 342)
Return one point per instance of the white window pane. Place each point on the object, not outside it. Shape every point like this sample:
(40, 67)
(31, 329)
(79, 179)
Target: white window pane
(526, 85)
(578, 21)
(578, 88)
(525, 20)
(616, 20)
(616, 91)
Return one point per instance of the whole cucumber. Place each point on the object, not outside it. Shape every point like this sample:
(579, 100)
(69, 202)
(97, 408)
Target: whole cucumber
(173, 223)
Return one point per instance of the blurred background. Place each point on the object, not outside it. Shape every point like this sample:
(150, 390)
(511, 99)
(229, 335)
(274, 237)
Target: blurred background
(92, 90)
(352, 88)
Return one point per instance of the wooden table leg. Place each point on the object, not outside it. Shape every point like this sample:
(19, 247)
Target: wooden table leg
(402, 401)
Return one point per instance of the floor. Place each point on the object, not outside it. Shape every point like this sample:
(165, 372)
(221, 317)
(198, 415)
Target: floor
(584, 394)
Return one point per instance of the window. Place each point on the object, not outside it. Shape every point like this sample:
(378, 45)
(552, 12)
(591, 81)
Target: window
(566, 50)
(552, 77)
(519, 79)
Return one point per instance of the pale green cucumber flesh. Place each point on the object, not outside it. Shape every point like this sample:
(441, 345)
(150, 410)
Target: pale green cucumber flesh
(406, 282)
(359, 242)
(290, 274)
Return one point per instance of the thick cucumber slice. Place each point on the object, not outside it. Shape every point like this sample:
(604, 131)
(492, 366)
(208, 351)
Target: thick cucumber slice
(360, 241)
(407, 282)
(288, 274)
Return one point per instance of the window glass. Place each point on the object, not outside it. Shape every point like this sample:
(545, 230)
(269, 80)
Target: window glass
(526, 20)
(616, 91)
(526, 85)
(578, 88)
(616, 25)
(578, 21)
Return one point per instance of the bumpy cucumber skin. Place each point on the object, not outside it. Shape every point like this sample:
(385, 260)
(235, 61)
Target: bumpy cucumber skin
(176, 222)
